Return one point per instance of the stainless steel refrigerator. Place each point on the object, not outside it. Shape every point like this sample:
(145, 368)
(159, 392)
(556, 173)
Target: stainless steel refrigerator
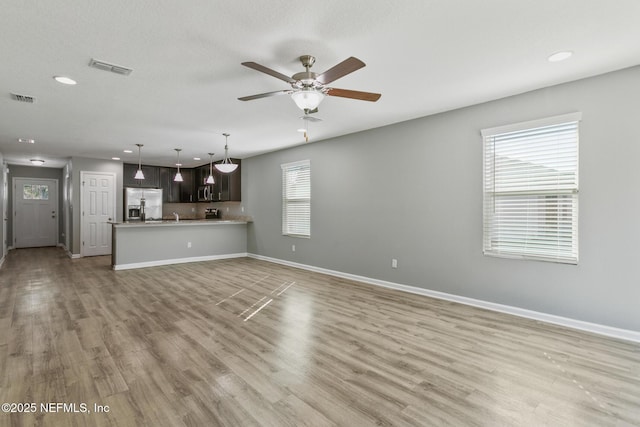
(142, 204)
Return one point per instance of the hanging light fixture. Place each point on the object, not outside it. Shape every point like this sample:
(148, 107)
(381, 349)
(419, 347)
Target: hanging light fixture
(226, 166)
(178, 177)
(307, 98)
(139, 174)
(210, 179)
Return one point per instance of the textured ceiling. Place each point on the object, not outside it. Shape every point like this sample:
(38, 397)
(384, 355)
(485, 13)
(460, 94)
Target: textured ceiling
(423, 56)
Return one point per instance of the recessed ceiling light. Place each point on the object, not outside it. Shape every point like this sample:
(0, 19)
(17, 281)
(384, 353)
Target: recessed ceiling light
(128, 151)
(115, 158)
(196, 158)
(64, 80)
(302, 130)
(560, 56)
(37, 162)
(27, 140)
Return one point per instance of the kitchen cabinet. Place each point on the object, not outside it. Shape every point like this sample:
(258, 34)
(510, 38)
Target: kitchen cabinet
(227, 186)
(170, 188)
(202, 174)
(151, 176)
(188, 188)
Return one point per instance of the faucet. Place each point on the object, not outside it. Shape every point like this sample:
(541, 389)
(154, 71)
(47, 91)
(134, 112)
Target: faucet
(177, 216)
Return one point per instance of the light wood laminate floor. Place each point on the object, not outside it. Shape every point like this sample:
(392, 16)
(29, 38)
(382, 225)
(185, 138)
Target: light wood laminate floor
(248, 343)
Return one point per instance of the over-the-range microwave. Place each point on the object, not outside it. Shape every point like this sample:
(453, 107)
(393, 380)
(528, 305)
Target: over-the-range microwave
(205, 193)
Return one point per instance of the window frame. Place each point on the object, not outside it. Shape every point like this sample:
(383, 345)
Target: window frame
(558, 197)
(288, 222)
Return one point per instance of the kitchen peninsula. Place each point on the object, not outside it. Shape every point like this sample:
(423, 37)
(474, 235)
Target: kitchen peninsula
(148, 244)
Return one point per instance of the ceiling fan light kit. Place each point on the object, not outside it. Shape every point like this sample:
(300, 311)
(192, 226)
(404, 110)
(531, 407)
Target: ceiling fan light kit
(307, 98)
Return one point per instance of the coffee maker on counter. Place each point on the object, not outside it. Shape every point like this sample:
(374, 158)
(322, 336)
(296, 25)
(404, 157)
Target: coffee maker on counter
(211, 213)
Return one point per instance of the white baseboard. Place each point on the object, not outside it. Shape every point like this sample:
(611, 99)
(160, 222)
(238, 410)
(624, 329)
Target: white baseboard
(177, 261)
(624, 334)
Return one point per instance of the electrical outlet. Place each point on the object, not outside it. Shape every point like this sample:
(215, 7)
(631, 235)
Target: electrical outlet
(293, 248)
(227, 208)
(241, 208)
(394, 263)
(193, 209)
(188, 244)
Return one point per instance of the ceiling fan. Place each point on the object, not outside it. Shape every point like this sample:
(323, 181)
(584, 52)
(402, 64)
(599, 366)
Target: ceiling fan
(308, 89)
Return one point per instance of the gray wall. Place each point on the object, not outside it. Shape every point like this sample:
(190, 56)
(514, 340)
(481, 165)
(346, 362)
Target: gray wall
(16, 171)
(78, 164)
(413, 191)
(2, 206)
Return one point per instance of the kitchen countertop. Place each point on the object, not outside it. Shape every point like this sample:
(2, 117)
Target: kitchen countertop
(182, 222)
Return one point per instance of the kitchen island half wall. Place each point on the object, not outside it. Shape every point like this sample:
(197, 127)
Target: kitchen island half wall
(138, 245)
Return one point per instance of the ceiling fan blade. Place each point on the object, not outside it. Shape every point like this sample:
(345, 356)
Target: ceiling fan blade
(354, 94)
(269, 71)
(347, 66)
(265, 95)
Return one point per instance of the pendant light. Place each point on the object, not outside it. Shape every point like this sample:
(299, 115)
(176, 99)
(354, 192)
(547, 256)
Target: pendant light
(210, 179)
(139, 174)
(226, 166)
(178, 177)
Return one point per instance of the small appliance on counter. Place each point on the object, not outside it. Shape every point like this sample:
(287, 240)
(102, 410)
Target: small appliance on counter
(211, 213)
(142, 204)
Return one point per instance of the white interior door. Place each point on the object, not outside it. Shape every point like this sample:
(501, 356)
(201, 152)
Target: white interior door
(98, 208)
(35, 203)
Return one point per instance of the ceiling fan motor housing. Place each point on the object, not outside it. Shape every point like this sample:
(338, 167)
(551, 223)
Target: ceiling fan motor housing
(305, 79)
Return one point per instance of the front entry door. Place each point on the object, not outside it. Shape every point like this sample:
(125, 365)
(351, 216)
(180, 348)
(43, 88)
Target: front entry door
(98, 208)
(35, 204)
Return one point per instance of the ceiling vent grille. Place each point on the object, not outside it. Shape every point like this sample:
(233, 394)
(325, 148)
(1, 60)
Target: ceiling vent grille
(105, 66)
(23, 98)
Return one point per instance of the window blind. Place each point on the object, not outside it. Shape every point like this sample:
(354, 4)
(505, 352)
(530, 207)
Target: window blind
(531, 191)
(296, 199)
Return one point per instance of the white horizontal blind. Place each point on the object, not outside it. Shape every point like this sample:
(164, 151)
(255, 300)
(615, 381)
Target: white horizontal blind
(296, 199)
(531, 192)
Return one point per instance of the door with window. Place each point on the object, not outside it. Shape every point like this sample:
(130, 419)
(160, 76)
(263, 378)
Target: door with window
(35, 204)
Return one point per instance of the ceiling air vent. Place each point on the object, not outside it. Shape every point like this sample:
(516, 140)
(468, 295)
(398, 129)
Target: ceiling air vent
(23, 98)
(105, 66)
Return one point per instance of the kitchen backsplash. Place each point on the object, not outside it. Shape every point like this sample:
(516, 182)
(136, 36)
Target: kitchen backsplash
(228, 210)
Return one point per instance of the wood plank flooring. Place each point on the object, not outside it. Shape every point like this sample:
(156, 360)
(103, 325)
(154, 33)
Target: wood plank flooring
(248, 343)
